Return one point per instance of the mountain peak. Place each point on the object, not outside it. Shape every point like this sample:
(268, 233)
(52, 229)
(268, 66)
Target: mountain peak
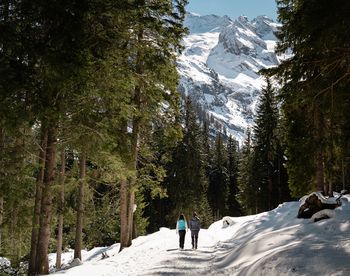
(206, 23)
(265, 27)
(219, 66)
(243, 19)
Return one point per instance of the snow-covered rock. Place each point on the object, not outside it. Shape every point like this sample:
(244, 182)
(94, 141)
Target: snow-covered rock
(227, 221)
(323, 214)
(75, 262)
(220, 63)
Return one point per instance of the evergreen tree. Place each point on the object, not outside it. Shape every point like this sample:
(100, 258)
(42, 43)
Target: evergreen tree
(218, 190)
(265, 147)
(186, 182)
(156, 36)
(16, 184)
(313, 83)
(234, 208)
(248, 191)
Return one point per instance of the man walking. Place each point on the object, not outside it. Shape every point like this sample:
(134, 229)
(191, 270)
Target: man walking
(195, 226)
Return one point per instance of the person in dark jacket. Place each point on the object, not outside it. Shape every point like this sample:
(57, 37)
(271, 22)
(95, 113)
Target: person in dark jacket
(195, 226)
(181, 228)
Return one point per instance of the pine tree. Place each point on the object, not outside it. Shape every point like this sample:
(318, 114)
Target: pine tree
(157, 33)
(265, 146)
(234, 208)
(218, 190)
(186, 181)
(248, 191)
(61, 180)
(313, 83)
(75, 73)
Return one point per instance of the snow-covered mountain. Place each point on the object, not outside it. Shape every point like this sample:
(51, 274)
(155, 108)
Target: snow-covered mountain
(220, 63)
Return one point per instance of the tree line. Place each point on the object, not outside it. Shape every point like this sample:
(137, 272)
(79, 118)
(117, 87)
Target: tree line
(97, 146)
(210, 173)
(84, 79)
(314, 84)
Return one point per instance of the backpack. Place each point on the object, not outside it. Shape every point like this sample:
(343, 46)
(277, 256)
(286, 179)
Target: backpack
(181, 225)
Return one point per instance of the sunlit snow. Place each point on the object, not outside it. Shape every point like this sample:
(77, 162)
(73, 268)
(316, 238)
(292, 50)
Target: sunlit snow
(273, 243)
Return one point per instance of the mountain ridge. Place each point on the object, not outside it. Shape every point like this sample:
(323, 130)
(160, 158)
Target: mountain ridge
(219, 66)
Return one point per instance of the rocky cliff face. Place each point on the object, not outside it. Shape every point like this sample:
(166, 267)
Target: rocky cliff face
(219, 66)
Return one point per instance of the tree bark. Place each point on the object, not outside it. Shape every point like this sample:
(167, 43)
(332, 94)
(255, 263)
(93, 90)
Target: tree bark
(2, 146)
(127, 189)
(1, 218)
(320, 172)
(32, 269)
(46, 203)
(319, 153)
(61, 210)
(330, 188)
(124, 201)
(80, 211)
(13, 234)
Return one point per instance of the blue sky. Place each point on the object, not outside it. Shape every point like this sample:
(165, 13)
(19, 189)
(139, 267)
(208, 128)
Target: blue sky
(234, 8)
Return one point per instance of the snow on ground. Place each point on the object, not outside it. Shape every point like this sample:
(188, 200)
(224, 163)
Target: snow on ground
(270, 243)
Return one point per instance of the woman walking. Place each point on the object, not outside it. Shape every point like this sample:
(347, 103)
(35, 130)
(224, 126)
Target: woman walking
(181, 228)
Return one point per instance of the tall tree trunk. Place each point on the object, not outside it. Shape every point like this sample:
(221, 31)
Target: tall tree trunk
(127, 193)
(270, 196)
(13, 233)
(127, 189)
(320, 172)
(80, 211)
(46, 202)
(279, 177)
(124, 201)
(61, 210)
(32, 269)
(330, 188)
(2, 147)
(131, 208)
(319, 152)
(1, 218)
(133, 165)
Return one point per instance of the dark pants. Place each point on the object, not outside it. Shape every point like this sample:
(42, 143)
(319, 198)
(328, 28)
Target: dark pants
(194, 237)
(182, 234)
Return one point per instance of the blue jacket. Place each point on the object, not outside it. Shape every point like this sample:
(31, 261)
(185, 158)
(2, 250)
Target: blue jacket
(181, 225)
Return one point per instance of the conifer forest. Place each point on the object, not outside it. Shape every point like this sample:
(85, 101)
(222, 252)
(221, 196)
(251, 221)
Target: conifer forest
(98, 145)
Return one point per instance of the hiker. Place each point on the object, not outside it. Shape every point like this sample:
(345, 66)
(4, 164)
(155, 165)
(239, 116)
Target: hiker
(181, 228)
(195, 226)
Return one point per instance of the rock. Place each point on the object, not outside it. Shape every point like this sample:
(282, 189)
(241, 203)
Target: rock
(226, 222)
(75, 262)
(313, 204)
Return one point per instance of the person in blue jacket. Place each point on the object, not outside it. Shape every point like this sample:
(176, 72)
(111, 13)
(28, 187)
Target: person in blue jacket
(181, 228)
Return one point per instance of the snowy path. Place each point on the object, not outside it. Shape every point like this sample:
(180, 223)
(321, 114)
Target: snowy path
(274, 243)
(184, 262)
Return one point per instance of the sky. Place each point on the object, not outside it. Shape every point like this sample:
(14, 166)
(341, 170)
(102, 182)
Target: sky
(234, 8)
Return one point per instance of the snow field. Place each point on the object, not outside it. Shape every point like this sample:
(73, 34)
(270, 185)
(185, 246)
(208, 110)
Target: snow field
(271, 243)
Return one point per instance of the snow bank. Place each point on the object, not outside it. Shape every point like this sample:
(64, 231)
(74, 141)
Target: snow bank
(270, 243)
